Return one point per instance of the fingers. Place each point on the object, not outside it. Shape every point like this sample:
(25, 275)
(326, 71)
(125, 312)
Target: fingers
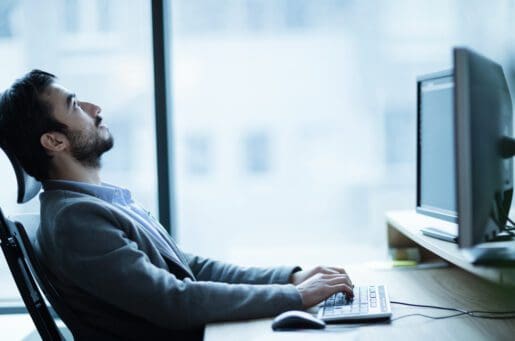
(337, 269)
(343, 288)
(342, 283)
(329, 270)
(325, 270)
(333, 279)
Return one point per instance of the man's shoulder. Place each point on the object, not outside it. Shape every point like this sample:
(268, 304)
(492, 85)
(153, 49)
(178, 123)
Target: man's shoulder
(58, 202)
(63, 198)
(67, 214)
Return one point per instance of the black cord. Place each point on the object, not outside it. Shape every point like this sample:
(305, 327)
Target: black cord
(500, 315)
(431, 317)
(429, 306)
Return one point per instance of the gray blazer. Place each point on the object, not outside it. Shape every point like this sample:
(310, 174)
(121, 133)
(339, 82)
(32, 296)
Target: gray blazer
(115, 278)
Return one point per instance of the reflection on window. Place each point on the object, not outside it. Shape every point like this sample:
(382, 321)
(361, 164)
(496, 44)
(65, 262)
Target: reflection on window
(72, 16)
(256, 153)
(399, 137)
(6, 8)
(256, 15)
(198, 154)
(295, 13)
(105, 19)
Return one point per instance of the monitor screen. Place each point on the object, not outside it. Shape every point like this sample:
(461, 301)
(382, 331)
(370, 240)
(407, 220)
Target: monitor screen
(436, 192)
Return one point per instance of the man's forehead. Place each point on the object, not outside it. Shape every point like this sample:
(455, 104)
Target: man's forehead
(57, 94)
(57, 90)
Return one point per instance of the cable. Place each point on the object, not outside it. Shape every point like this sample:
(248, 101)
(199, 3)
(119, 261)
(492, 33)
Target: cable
(431, 317)
(500, 315)
(429, 306)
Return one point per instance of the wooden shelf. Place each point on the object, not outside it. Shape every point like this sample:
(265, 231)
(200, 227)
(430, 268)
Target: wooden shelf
(403, 229)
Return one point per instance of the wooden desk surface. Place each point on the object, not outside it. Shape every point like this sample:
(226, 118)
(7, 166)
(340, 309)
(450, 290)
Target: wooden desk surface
(449, 287)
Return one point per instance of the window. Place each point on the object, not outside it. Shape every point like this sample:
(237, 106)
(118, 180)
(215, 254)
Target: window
(198, 153)
(319, 96)
(102, 50)
(256, 153)
(71, 16)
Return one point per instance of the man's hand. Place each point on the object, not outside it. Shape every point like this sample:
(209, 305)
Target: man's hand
(300, 276)
(321, 282)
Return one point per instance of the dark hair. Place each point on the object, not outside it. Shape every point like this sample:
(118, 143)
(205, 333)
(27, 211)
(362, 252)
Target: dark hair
(24, 117)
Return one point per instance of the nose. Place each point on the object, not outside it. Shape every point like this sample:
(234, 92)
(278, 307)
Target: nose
(92, 109)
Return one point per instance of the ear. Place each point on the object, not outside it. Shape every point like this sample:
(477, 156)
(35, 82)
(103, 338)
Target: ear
(54, 141)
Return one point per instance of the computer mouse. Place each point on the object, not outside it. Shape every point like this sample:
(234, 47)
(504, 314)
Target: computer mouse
(296, 319)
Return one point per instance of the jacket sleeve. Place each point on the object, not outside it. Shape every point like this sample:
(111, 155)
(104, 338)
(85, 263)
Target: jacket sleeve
(99, 257)
(210, 270)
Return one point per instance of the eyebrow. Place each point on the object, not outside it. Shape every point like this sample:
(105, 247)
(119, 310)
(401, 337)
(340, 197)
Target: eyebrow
(69, 99)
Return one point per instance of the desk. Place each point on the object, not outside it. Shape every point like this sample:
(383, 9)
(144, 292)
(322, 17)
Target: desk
(450, 287)
(403, 229)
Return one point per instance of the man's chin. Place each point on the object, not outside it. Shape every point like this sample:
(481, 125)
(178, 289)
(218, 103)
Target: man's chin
(109, 142)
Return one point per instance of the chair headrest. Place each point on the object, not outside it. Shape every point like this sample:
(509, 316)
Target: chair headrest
(28, 187)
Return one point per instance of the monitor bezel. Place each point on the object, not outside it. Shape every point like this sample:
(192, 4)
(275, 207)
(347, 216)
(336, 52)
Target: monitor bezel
(434, 212)
(474, 73)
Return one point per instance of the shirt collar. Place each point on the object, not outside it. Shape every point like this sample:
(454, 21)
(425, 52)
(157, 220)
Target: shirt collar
(105, 191)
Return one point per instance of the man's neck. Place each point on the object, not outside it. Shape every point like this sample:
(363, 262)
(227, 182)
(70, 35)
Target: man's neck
(75, 171)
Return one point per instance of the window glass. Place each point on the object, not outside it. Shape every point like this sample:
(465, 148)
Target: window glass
(101, 50)
(311, 108)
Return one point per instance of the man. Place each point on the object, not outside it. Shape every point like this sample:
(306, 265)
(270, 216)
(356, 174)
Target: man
(116, 266)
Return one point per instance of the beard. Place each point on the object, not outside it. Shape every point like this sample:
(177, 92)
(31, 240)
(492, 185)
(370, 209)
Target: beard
(88, 146)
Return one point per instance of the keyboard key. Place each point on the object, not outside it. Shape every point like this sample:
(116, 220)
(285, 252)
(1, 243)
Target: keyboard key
(363, 297)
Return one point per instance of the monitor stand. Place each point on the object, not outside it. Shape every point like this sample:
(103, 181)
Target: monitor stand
(437, 233)
(502, 236)
(491, 256)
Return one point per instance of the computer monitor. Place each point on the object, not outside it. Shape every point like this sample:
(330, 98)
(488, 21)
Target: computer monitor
(484, 147)
(436, 192)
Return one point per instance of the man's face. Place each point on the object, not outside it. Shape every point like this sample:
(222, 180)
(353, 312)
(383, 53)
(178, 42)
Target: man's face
(86, 136)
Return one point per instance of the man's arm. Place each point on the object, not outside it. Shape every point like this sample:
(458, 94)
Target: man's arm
(101, 259)
(314, 285)
(210, 270)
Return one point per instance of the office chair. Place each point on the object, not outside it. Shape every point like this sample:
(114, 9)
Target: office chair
(28, 187)
(20, 267)
(21, 250)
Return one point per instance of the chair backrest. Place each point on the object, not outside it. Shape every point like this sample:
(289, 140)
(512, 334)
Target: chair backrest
(20, 267)
(26, 229)
(28, 186)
